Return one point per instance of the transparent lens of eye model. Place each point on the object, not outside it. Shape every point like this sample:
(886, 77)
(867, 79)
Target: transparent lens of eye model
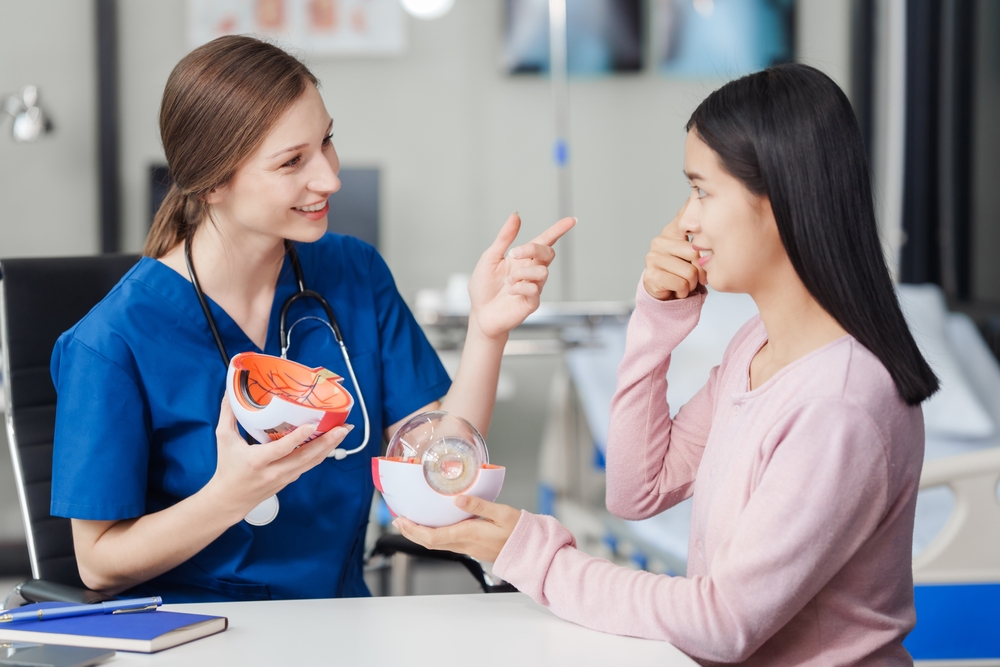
(451, 465)
(450, 449)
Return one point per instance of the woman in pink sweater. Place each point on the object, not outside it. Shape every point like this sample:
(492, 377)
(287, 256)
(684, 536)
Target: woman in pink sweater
(803, 451)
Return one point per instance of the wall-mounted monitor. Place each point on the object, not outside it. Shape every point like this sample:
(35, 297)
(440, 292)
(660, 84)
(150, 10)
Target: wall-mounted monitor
(602, 36)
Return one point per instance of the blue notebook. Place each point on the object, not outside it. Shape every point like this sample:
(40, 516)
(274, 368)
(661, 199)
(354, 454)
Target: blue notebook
(141, 632)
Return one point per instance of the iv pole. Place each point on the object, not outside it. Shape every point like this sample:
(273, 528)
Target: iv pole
(558, 71)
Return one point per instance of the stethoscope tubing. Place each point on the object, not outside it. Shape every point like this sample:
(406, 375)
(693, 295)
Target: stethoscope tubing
(284, 334)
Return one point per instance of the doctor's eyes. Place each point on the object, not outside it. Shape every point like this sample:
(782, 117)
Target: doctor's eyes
(327, 142)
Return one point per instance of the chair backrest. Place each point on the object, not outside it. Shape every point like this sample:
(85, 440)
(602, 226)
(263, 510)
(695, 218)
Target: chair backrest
(40, 298)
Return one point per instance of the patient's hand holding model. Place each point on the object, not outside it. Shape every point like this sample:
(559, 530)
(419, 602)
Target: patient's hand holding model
(431, 459)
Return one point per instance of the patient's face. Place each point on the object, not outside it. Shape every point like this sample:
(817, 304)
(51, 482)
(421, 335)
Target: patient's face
(733, 228)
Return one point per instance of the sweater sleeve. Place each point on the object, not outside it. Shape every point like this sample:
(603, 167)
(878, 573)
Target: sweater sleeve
(651, 458)
(797, 531)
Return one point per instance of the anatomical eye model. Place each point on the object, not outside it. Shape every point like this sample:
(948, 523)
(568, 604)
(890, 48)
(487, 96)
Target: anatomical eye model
(272, 396)
(432, 458)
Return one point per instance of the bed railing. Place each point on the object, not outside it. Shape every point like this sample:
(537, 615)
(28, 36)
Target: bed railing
(968, 547)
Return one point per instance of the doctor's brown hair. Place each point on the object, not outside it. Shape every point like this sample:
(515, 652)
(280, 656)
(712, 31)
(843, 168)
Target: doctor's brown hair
(218, 105)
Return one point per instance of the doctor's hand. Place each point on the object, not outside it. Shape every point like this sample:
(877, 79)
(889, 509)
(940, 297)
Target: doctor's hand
(481, 538)
(503, 289)
(245, 475)
(672, 270)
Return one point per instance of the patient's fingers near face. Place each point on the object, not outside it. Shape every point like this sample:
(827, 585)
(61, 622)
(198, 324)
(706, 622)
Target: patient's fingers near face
(662, 284)
(672, 264)
(662, 245)
(674, 228)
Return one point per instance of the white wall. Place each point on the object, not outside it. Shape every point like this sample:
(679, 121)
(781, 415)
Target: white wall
(460, 143)
(49, 189)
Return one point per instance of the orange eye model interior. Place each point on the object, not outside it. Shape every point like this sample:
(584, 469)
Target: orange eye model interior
(259, 378)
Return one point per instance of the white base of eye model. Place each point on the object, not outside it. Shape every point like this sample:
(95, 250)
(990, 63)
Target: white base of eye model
(408, 495)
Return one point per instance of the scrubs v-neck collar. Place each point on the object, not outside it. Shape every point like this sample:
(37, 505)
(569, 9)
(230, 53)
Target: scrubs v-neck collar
(179, 290)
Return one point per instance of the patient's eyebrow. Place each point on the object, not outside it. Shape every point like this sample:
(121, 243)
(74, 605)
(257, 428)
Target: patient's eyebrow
(693, 176)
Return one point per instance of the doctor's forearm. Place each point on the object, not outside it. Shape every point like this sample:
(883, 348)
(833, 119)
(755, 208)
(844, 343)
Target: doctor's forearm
(474, 389)
(114, 556)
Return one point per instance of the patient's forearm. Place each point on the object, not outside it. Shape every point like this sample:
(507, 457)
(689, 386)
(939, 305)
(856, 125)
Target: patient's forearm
(116, 555)
(474, 389)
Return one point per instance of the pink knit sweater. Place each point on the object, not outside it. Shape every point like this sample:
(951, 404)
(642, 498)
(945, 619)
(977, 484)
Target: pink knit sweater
(804, 495)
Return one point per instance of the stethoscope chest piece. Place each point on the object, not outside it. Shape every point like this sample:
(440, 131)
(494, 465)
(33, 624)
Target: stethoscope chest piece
(264, 513)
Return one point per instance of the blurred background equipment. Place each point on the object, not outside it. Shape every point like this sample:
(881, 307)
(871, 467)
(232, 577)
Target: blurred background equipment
(30, 122)
(721, 37)
(594, 37)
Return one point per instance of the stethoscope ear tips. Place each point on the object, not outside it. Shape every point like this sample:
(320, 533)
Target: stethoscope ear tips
(338, 453)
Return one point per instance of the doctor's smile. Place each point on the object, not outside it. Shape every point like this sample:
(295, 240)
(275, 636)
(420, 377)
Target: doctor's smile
(315, 211)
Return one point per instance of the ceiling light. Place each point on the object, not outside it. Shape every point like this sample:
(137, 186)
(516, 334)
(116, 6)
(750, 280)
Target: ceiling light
(427, 9)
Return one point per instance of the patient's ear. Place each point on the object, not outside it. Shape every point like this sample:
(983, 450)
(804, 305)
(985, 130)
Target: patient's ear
(765, 212)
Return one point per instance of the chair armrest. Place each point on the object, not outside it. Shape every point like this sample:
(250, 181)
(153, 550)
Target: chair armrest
(389, 544)
(953, 468)
(40, 590)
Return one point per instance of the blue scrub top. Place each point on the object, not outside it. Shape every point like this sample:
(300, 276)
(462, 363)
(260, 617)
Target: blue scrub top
(140, 382)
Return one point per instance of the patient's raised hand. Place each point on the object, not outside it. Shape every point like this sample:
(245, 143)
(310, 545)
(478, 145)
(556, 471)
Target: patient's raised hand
(671, 271)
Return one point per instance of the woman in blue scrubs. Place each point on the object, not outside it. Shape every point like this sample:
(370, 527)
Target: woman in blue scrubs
(154, 474)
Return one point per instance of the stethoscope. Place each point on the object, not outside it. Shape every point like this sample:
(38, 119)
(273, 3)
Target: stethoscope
(285, 335)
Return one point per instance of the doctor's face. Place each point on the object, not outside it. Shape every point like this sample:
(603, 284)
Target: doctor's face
(733, 229)
(281, 191)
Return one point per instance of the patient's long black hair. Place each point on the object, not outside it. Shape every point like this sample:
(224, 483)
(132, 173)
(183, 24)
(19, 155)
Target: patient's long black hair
(789, 133)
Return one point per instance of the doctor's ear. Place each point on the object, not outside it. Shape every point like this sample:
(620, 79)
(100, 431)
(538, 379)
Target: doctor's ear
(215, 195)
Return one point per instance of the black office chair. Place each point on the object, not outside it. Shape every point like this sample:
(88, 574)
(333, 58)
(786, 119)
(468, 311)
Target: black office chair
(40, 298)
(392, 543)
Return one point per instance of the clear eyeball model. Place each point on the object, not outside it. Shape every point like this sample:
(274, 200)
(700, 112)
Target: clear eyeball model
(432, 458)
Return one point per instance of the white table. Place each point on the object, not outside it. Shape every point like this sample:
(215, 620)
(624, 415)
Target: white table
(505, 630)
